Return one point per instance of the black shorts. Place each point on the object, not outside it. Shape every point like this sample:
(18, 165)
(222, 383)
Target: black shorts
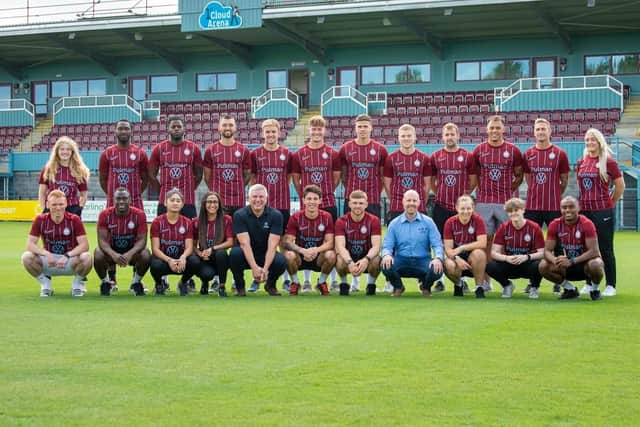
(285, 218)
(310, 265)
(333, 210)
(542, 217)
(441, 215)
(576, 272)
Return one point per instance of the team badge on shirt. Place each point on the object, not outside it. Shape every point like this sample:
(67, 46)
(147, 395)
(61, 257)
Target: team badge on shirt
(417, 163)
(66, 231)
(236, 153)
(187, 151)
(506, 154)
(321, 227)
(131, 225)
(181, 230)
(552, 156)
(471, 229)
(282, 157)
(325, 156)
(372, 152)
(132, 156)
(363, 229)
(578, 234)
(460, 158)
(527, 237)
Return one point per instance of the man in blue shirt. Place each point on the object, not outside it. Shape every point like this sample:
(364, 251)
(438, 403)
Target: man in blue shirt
(407, 246)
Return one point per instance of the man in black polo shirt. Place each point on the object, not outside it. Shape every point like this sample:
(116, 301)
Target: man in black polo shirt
(258, 229)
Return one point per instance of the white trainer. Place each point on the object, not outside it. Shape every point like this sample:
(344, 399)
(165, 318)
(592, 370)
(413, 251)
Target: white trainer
(387, 287)
(533, 293)
(586, 290)
(306, 287)
(609, 291)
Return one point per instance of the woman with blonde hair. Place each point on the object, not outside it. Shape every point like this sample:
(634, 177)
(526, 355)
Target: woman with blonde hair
(65, 171)
(597, 172)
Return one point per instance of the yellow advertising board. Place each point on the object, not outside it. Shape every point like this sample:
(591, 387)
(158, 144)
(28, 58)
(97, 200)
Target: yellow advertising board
(19, 210)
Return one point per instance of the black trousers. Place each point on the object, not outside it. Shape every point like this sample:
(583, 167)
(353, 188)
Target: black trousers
(605, 225)
(239, 264)
(502, 271)
(160, 268)
(218, 264)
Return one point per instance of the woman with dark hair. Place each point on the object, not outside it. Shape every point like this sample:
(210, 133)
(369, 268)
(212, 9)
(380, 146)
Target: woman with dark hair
(213, 234)
(601, 186)
(172, 245)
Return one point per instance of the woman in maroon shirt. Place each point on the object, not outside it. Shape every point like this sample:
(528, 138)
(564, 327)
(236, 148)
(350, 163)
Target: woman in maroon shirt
(65, 171)
(597, 172)
(172, 245)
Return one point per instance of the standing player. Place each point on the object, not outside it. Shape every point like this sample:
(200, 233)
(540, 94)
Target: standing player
(316, 163)
(405, 169)
(597, 172)
(578, 240)
(123, 165)
(122, 241)
(362, 161)
(309, 241)
(517, 250)
(179, 162)
(65, 247)
(546, 172)
(499, 165)
(454, 174)
(357, 243)
(65, 171)
(271, 167)
(227, 166)
(465, 239)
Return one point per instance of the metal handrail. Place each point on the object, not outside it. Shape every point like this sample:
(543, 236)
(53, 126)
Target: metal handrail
(275, 94)
(344, 91)
(97, 101)
(537, 84)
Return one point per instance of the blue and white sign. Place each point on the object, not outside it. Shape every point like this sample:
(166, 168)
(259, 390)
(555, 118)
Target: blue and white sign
(215, 16)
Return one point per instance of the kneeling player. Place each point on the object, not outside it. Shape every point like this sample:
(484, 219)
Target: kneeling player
(518, 247)
(358, 240)
(309, 241)
(465, 239)
(122, 241)
(65, 248)
(578, 240)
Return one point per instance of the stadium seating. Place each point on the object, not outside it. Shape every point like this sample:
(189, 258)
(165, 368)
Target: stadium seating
(427, 112)
(10, 136)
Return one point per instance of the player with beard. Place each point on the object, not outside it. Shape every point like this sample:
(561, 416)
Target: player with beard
(123, 165)
(499, 165)
(122, 241)
(357, 243)
(577, 238)
(227, 166)
(316, 163)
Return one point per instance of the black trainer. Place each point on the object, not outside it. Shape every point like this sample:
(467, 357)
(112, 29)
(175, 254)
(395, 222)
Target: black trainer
(570, 293)
(371, 289)
(183, 288)
(191, 285)
(138, 289)
(160, 288)
(595, 295)
(479, 292)
(105, 289)
(204, 288)
(222, 292)
(344, 289)
(457, 291)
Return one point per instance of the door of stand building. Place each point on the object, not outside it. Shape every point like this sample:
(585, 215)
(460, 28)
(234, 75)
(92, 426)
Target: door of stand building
(545, 70)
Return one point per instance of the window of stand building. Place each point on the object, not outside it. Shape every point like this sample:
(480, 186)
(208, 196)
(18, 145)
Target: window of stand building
(277, 79)
(499, 69)
(5, 91)
(612, 64)
(395, 74)
(213, 82)
(164, 84)
(94, 87)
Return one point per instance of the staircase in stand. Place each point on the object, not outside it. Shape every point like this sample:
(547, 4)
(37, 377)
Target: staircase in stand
(298, 136)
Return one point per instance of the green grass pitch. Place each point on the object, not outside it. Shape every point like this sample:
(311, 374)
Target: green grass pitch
(363, 361)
